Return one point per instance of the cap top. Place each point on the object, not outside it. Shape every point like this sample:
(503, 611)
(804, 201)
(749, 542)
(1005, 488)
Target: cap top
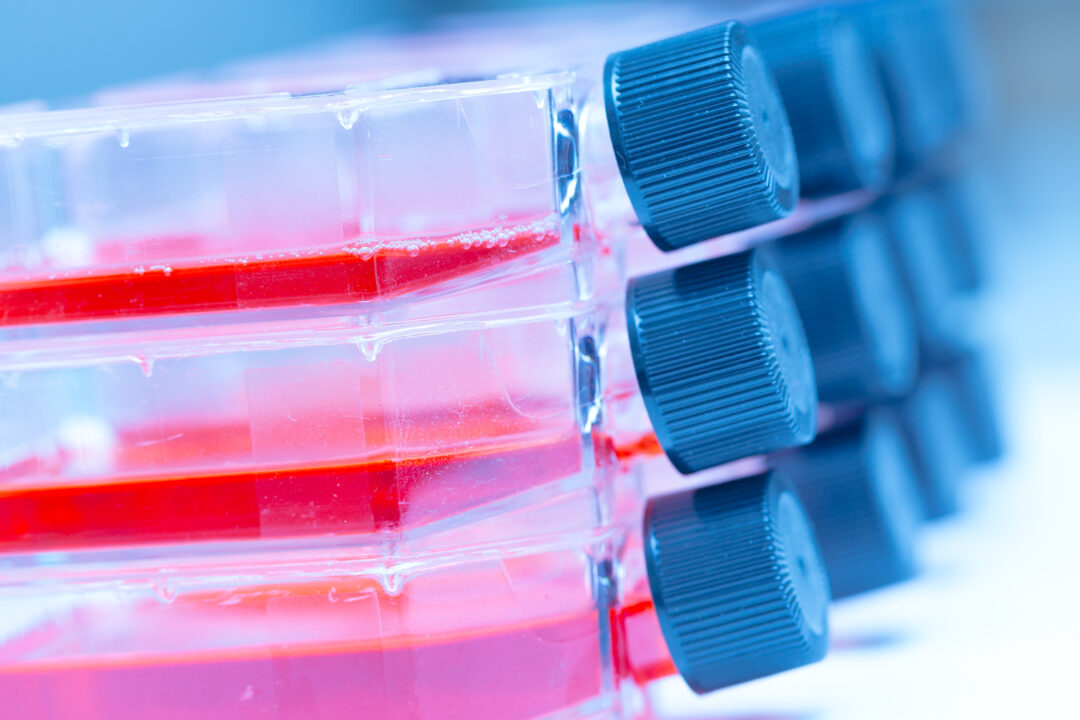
(859, 489)
(858, 320)
(700, 135)
(769, 117)
(934, 428)
(915, 74)
(792, 350)
(862, 103)
(737, 580)
(919, 235)
(721, 360)
(966, 372)
(808, 576)
(889, 461)
(885, 309)
(836, 105)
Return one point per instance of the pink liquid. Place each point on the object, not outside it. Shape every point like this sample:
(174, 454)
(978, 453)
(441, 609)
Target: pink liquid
(342, 648)
(505, 660)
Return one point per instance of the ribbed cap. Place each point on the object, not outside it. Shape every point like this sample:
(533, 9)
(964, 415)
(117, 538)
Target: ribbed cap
(737, 580)
(858, 486)
(966, 372)
(934, 429)
(967, 260)
(721, 360)
(700, 135)
(920, 83)
(918, 231)
(857, 316)
(837, 109)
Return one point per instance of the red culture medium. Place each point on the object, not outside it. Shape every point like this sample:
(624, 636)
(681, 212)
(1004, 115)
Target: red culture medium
(358, 271)
(502, 669)
(274, 500)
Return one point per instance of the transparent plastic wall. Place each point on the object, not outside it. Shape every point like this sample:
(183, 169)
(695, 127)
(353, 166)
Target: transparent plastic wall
(302, 409)
(513, 630)
(295, 436)
(307, 412)
(274, 201)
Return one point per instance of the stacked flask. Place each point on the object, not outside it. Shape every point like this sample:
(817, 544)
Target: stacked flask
(333, 401)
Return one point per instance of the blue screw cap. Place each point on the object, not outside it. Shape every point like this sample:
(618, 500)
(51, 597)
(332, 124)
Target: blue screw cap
(701, 135)
(858, 318)
(721, 360)
(839, 116)
(920, 85)
(933, 426)
(737, 580)
(858, 486)
(966, 372)
(919, 234)
(967, 259)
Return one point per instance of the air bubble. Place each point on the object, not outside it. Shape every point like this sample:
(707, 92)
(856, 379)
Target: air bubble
(123, 136)
(413, 249)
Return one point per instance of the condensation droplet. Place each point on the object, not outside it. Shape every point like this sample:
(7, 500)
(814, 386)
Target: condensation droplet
(146, 365)
(165, 591)
(347, 117)
(369, 348)
(393, 583)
